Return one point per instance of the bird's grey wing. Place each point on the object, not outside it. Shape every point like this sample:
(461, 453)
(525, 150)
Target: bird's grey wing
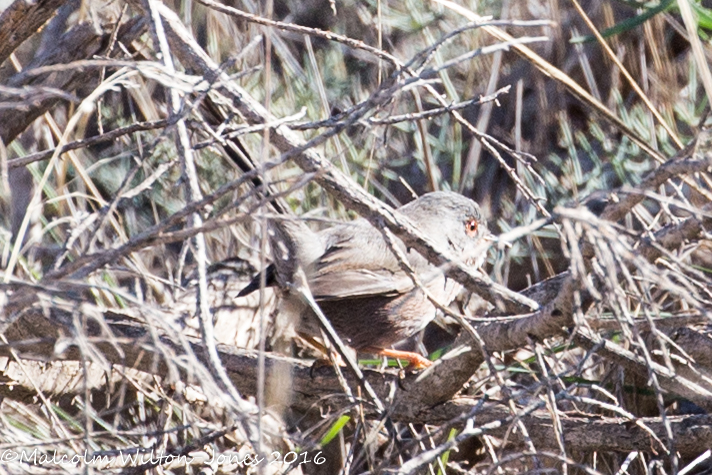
(359, 283)
(358, 262)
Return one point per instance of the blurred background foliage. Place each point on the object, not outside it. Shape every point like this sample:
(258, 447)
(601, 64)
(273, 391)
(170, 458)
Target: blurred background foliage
(578, 153)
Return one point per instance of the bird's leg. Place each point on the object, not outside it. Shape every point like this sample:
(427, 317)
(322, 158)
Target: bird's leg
(323, 360)
(313, 342)
(414, 359)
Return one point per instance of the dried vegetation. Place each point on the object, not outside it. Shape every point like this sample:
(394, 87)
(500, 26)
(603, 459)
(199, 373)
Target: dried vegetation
(143, 145)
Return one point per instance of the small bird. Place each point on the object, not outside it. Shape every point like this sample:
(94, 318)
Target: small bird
(356, 279)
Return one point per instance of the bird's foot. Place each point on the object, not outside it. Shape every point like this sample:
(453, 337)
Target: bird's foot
(415, 361)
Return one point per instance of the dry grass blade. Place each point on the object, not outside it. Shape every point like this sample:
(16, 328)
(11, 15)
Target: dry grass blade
(556, 74)
(627, 75)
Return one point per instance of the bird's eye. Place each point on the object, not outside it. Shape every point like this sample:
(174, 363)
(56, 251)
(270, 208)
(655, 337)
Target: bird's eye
(471, 227)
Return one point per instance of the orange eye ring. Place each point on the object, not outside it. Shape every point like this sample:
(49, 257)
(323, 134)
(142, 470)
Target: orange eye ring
(471, 226)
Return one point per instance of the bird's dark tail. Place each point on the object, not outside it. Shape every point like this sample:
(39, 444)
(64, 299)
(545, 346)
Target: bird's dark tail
(254, 284)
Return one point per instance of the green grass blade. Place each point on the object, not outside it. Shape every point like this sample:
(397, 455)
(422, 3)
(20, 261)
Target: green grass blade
(334, 430)
(626, 25)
